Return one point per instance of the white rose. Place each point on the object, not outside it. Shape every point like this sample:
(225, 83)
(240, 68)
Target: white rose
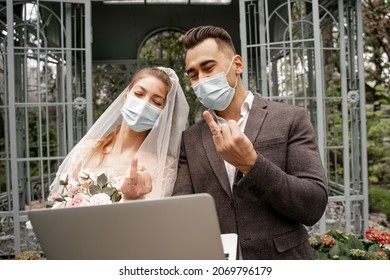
(100, 199)
(111, 175)
(84, 174)
(63, 177)
(59, 204)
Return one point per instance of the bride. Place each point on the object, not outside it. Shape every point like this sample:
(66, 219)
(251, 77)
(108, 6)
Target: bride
(135, 142)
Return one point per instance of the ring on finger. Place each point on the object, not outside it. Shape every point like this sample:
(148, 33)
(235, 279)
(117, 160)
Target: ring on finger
(217, 132)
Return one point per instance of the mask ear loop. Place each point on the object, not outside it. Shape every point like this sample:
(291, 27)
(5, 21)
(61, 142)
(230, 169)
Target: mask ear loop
(231, 63)
(236, 82)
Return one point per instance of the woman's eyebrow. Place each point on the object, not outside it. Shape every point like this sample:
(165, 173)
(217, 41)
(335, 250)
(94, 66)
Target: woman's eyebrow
(140, 87)
(158, 95)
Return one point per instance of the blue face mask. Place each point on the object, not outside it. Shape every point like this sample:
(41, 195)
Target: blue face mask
(214, 92)
(139, 114)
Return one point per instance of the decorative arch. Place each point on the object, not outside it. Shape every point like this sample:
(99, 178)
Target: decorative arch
(153, 36)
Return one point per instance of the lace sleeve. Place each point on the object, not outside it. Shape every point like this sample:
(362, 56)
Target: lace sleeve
(170, 174)
(164, 180)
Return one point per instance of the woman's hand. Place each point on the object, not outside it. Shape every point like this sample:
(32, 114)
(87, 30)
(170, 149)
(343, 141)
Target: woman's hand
(138, 183)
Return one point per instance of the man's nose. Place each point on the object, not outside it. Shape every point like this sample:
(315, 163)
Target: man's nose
(201, 76)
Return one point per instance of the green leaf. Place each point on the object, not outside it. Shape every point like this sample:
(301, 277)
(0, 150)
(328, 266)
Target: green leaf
(318, 255)
(355, 243)
(344, 250)
(344, 258)
(335, 251)
(101, 180)
(109, 191)
(94, 189)
(374, 248)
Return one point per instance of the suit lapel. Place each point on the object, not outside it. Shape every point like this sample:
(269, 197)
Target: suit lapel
(253, 125)
(256, 118)
(216, 161)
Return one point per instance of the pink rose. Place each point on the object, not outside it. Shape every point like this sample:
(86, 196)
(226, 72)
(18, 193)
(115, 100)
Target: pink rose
(100, 199)
(53, 197)
(79, 199)
(72, 186)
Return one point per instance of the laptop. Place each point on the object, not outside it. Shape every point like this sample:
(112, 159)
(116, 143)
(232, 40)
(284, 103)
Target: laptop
(173, 228)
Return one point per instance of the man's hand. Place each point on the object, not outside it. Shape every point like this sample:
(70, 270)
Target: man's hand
(232, 144)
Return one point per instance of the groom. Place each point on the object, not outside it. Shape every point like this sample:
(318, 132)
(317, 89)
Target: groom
(259, 159)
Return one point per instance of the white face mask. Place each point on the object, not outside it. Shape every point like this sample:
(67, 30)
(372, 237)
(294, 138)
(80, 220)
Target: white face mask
(139, 114)
(214, 92)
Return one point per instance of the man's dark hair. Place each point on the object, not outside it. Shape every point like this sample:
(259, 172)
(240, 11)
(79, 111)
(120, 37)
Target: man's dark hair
(197, 35)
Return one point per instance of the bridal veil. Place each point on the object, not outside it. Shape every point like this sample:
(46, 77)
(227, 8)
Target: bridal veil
(159, 152)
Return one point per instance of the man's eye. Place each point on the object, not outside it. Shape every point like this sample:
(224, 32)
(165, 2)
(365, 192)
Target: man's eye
(193, 76)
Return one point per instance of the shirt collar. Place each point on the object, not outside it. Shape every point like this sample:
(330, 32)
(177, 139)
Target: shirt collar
(245, 108)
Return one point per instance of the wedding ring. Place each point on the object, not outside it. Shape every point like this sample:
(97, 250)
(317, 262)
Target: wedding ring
(217, 132)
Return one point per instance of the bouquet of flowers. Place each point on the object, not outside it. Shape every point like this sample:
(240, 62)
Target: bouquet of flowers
(87, 189)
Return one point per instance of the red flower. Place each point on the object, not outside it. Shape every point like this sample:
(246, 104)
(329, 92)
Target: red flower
(377, 236)
(327, 240)
(382, 255)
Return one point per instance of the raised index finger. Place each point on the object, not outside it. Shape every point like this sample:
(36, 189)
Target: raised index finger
(214, 127)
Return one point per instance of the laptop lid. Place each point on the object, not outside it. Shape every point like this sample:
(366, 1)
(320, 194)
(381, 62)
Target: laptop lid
(173, 228)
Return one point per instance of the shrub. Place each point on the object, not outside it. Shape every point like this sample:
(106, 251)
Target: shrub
(29, 255)
(379, 200)
(337, 245)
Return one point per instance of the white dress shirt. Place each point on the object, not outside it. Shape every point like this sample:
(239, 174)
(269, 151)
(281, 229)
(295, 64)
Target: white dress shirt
(245, 109)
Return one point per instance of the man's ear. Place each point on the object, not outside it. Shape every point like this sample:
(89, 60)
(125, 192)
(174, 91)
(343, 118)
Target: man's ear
(239, 64)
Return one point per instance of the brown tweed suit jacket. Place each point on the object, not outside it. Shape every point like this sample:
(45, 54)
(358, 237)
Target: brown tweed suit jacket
(284, 190)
